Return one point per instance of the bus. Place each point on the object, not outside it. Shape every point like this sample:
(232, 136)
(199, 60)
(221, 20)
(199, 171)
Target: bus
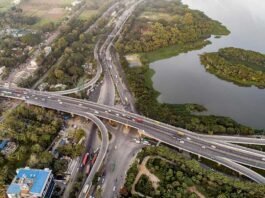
(85, 158)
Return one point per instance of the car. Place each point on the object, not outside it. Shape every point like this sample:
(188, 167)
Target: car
(106, 111)
(80, 104)
(139, 120)
(114, 188)
(109, 110)
(181, 141)
(43, 99)
(60, 102)
(204, 147)
(188, 138)
(263, 159)
(96, 112)
(214, 147)
(117, 114)
(36, 98)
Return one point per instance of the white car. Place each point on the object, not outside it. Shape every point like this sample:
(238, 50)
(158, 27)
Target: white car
(214, 147)
(181, 141)
(263, 159)
(188, 138)
(204, 147)
(96, 112)
(60, 102)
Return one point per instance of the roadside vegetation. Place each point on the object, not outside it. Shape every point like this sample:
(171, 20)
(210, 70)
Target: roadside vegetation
(15, 50)
(32, 129)
(72, 58)
(191, 29)
(180, 177)
(243, 67)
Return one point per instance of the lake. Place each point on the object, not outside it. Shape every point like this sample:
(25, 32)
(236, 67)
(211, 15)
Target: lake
(182, 79)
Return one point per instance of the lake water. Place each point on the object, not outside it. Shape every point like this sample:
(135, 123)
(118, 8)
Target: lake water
(182, 79)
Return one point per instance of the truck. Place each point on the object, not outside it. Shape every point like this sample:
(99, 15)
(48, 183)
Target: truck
(180, 133)
(85, 158)
(85, 189)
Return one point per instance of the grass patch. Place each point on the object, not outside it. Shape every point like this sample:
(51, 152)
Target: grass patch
(88, 14)
(173, 50)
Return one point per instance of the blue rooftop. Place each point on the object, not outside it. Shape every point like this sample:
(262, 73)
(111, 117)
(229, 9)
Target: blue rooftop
(38, 177)
(3, 143)
(13, 189)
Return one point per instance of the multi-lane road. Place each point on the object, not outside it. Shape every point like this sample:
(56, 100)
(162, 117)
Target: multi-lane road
(204, 146)
(215, 148)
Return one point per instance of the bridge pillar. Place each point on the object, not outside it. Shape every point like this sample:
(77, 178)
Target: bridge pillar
(141, 132)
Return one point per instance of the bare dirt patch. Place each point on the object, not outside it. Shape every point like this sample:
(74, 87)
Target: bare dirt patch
(46, 10)
(134, 60)
(193, 189)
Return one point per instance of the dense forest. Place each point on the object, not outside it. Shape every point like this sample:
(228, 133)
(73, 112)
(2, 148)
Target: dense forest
(32, 129)
(183, 177)
(160, 24)
(243, 67)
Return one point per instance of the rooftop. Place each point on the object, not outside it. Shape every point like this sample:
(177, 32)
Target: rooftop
(3, 143)
(33, 179)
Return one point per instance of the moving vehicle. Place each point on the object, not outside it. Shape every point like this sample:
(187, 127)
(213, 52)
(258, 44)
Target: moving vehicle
(85, 158)
(139, 120)
(96, 112)
(213, 146)
(85, 189)
(180, 133)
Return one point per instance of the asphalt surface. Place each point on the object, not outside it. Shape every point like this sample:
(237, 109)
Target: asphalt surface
(162, 132)
(122, 151)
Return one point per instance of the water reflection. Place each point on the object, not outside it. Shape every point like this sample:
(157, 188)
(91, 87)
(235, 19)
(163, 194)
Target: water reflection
(182, 79)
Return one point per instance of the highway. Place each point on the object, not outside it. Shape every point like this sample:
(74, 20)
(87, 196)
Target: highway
(191, 142)
(102, 128)
(214, 148)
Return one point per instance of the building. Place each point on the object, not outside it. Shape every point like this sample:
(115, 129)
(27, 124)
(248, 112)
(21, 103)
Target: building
(32, 183)
(3, 144)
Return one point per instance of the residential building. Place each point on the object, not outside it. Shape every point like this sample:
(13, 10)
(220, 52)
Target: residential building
(32, 183)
